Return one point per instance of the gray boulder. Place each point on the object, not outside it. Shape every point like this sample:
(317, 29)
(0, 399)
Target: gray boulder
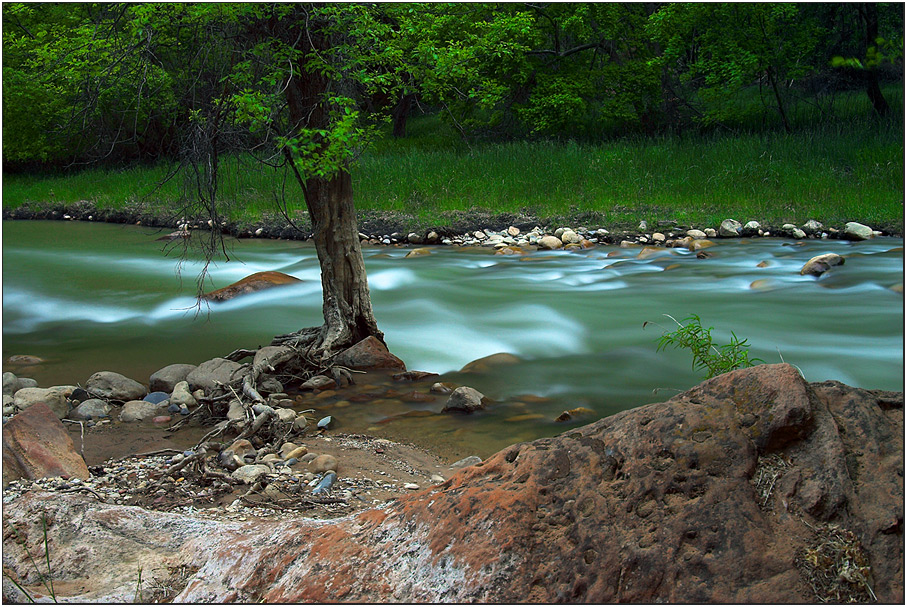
(181, 395)
(812, 227)
(250, 473)
(730, 228)
(857, 231)
(165, 379)
(93, 408)
(211, 374)
(751, 228)
(113, 386)
(10, 383)
(139, 410)
(27, 382)
(464, 400)
(236, 411)
(56, 398)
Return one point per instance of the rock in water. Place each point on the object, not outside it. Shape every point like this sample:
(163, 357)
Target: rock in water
(250, 284)
(484, 364)
(464, 400)
(820, 264)
(715, 496)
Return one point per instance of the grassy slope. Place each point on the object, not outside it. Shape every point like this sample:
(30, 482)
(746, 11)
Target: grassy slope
(851, 170)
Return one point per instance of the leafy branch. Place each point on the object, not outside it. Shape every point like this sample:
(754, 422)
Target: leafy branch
(706, 355)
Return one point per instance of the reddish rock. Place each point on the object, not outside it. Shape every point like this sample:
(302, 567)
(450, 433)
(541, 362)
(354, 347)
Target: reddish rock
(250, 284)
(724, 494)
(36, 445)
(369, 353)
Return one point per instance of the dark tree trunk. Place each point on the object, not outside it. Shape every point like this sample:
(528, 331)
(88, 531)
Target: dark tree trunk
(778, 99)
(869, 13)
(347, 307)
(401, 113)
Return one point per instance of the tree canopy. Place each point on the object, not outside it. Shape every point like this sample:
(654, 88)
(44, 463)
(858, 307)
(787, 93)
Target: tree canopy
(122, 82)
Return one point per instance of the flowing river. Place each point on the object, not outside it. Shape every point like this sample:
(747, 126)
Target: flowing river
(88, 297)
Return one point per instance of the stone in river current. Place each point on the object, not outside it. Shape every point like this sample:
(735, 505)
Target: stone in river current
(250, 284)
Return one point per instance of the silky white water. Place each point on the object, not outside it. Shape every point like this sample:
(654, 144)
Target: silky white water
(88, 297)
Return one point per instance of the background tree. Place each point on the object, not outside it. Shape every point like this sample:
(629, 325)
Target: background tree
(721, 48)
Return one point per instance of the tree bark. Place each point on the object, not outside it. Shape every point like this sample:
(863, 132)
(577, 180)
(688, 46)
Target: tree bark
(347, 308)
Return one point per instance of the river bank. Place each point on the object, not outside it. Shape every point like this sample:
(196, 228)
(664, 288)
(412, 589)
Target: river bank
(452, 227)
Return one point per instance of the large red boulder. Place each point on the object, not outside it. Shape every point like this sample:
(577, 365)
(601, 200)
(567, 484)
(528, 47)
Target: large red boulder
(37, 445)
(753, 487)
(250, 284)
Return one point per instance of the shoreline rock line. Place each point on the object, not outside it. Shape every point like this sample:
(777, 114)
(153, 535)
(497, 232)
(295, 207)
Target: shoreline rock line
(752, 487)
(464, 228)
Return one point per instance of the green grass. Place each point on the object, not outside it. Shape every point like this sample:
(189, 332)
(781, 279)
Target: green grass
(832, 173)
(851, 169)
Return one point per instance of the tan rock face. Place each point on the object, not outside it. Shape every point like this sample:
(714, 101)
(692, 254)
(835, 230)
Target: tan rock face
(715, 496)
(250, 284)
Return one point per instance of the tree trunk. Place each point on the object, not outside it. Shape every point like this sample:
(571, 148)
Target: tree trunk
(778, 99)
(400, 114)
(347, 307)
(870, 15)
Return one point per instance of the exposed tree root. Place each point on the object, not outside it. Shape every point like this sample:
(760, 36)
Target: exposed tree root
(289, 359)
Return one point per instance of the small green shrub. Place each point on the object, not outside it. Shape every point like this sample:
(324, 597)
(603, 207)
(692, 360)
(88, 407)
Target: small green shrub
(698, 340)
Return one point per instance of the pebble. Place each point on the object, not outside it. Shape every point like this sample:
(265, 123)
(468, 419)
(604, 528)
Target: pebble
(411, 486)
